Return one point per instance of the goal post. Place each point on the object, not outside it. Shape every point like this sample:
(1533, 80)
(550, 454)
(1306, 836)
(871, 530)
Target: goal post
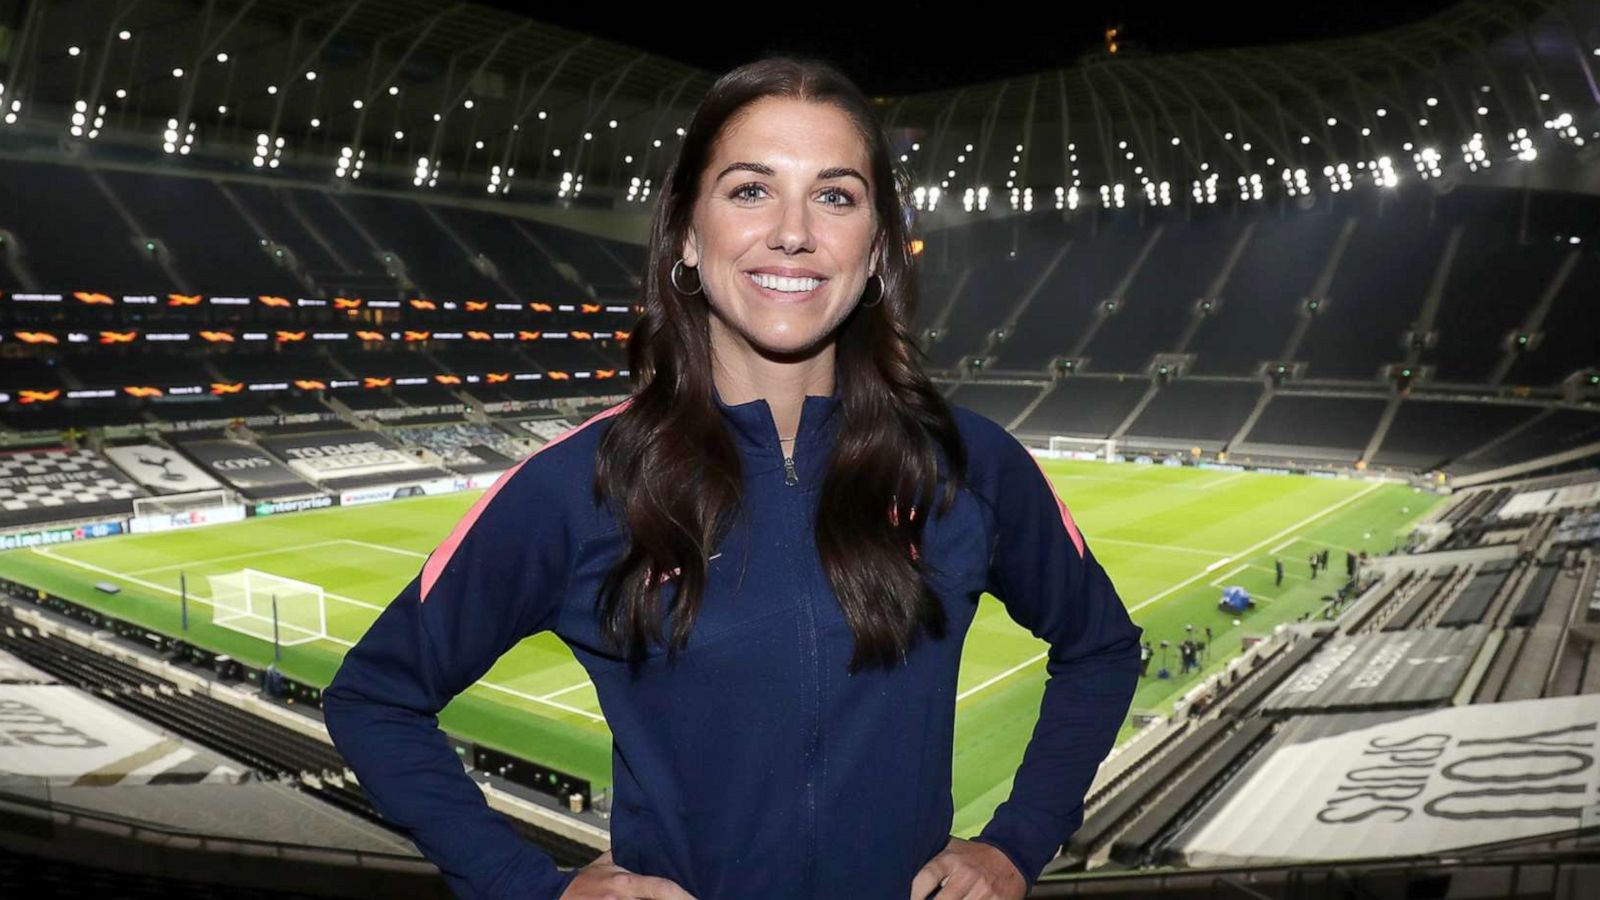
(1064, 447)
(168, 504)
(243, 601)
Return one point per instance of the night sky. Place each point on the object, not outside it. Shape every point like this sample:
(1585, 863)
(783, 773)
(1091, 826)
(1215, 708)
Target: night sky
(892, 51)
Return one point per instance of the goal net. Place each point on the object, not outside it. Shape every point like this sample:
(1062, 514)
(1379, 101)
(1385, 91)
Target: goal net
(167, 504)
(243, 601)
(1103, 449)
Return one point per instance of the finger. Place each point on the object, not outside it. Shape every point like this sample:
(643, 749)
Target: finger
(649, 887)
(965, 885)
(931, 876)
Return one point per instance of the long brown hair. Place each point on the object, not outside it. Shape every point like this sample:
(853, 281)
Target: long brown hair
(673, 472)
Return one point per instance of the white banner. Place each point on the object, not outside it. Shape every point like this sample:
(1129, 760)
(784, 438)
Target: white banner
(161, 470)
(60, 735)
(1437, 781)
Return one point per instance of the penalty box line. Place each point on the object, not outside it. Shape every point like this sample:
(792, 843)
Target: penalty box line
(150, 585)
(1201, 574)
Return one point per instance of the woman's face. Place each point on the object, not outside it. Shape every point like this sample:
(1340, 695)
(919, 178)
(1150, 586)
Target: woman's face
(787, 189)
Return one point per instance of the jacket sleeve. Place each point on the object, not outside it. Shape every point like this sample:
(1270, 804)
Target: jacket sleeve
(497, 578)
(1051, 584)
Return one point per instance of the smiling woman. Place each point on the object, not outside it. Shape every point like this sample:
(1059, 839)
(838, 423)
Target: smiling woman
(782, 237)
(818, 524)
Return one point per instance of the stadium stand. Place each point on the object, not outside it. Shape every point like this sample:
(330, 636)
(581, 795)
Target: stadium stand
(48, 485)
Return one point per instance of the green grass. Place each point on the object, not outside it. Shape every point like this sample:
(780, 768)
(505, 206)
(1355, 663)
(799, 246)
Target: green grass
(1169, 537)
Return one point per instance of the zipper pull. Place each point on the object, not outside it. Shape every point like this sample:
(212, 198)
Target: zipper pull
(790, 477)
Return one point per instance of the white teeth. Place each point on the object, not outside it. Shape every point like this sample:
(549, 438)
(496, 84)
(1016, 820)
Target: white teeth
(787, 285)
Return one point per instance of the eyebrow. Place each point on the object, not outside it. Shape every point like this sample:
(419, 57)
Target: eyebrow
(764, 169)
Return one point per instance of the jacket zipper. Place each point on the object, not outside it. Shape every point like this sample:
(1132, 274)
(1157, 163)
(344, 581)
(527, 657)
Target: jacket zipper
(792, 478)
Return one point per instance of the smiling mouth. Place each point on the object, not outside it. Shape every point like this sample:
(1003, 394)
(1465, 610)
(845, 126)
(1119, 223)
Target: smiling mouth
(786, 296)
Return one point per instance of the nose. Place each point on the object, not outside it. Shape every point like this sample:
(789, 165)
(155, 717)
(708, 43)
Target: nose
(792, 230)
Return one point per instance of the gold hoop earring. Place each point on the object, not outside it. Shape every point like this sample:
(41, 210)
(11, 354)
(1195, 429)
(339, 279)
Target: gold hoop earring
(882, 286)
(673, 277)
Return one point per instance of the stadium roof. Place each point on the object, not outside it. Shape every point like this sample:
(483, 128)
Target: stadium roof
(468, 87)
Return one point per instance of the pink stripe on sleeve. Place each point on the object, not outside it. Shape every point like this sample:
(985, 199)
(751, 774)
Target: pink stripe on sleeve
(1066, 517)
(434, 566)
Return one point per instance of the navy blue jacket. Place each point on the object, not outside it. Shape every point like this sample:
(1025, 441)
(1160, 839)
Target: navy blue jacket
(756, 766)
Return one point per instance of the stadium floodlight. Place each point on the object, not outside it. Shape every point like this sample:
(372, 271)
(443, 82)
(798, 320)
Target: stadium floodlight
(243, 601)
(124, 34)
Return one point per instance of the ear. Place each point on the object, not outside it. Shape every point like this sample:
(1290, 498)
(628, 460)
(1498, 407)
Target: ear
(691, 258)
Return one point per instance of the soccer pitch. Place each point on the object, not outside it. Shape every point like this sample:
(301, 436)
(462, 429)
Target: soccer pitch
(1170, 537)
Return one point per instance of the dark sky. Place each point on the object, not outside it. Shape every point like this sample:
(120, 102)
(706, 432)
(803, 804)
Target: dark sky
(892, 51)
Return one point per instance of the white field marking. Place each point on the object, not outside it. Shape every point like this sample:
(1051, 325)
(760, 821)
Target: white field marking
(1221, 481)
(196, 561)
(1307, 540)
(1279, 549)
(45, 551)
(1138, 606)
(572, 687)
(1003, 675)
(1164, 486)
(1252, 548)
(1217, 565)
(274, 551)
(1273, 572)
(1229, 574)
(1174, 548)
(386, 549)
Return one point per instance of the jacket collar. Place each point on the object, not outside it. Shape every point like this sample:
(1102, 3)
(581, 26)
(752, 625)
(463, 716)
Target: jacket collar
(756, 431)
